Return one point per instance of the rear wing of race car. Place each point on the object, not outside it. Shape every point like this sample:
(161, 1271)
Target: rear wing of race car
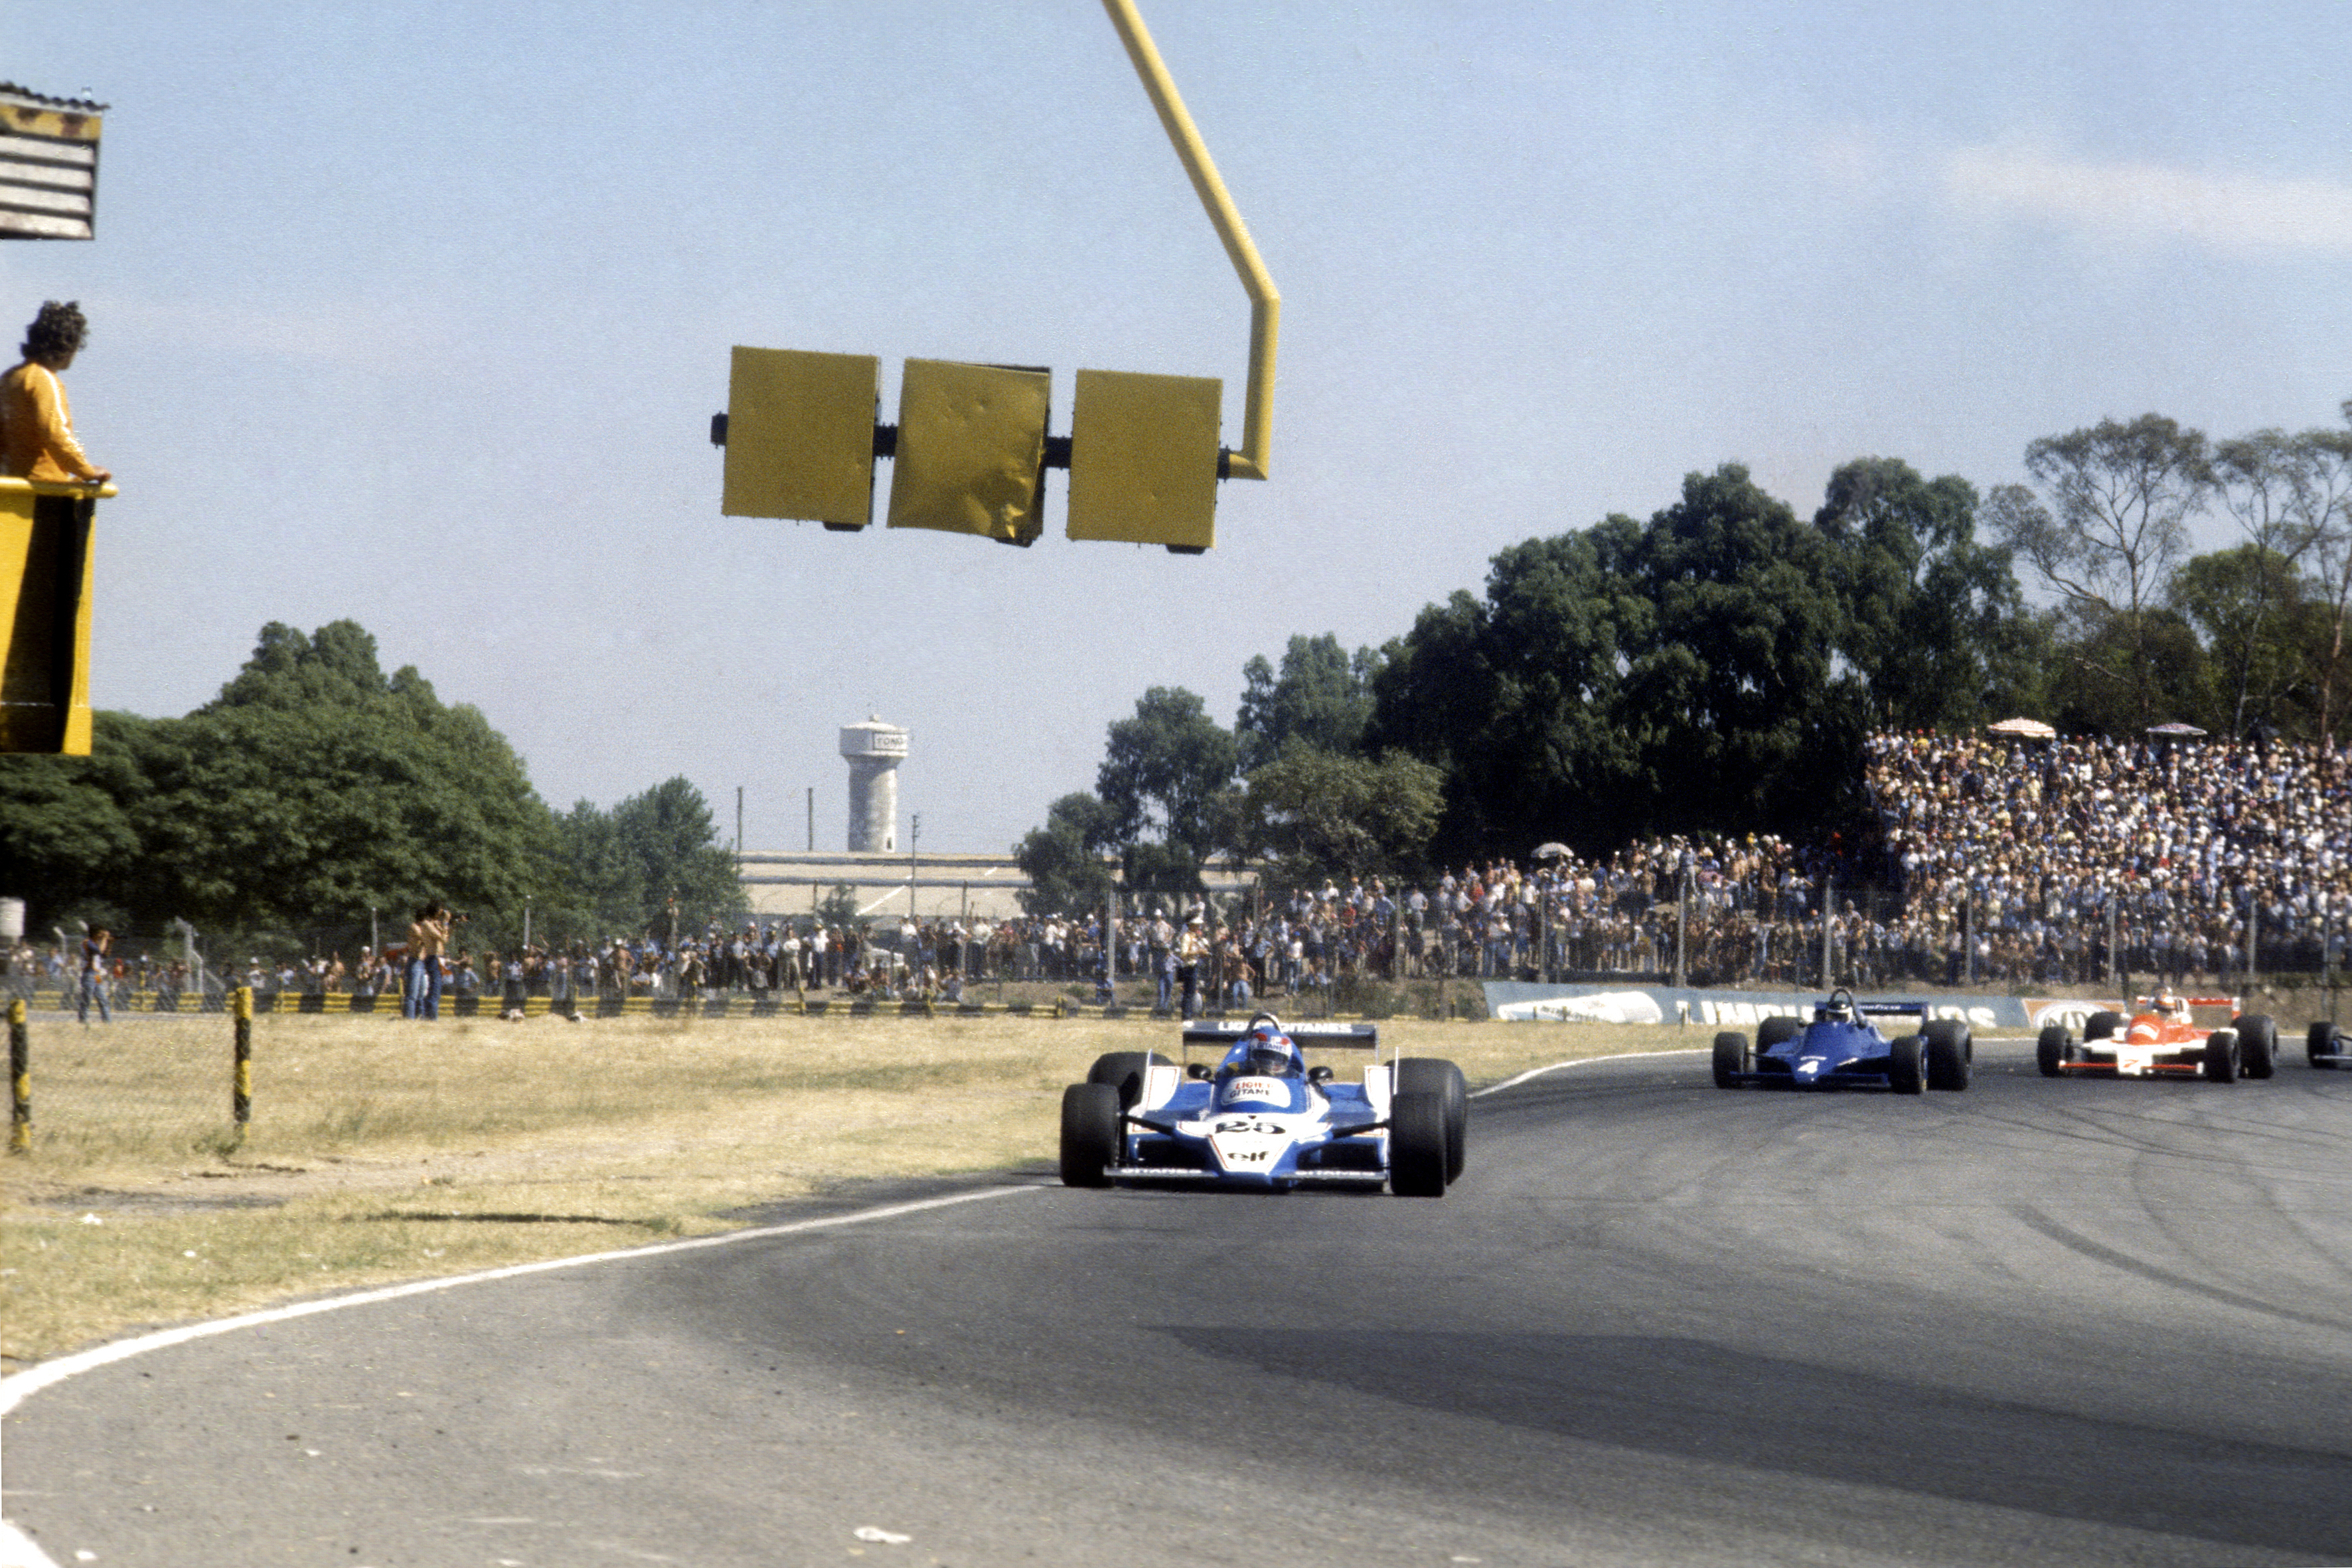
(1220, 1032)
(1891, 1009)
(2231, 1003)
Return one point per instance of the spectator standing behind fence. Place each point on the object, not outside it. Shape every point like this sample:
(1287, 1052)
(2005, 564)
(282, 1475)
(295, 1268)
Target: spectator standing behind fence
(96, 975)
(427, 933)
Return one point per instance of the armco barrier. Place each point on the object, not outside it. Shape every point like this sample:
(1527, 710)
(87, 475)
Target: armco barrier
(1512, 1001)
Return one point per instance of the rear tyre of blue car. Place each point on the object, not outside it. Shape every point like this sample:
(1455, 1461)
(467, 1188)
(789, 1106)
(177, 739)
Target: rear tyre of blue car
(1730, 1058)
(1435, 1075)
(1950, 1050)
(1778, 1029)
(1417, 1146)
(2321, 1041)
(1090, 1114)
(1906, 1064)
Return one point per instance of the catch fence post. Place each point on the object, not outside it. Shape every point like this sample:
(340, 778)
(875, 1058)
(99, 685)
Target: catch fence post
(2253, 925)
(241, 1094)
(20, 1081)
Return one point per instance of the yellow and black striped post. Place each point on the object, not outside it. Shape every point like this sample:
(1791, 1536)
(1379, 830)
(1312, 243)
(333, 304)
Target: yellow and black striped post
(241, 1099)
(20, 1081)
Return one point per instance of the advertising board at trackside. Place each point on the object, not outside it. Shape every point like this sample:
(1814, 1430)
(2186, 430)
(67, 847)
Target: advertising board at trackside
(1523, 1002)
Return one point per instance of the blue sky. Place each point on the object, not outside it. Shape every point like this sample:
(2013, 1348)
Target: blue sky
(415, 314)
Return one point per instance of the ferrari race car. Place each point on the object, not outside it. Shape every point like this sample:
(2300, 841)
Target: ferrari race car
(1262, 1118)
(2164, 1040)
(1840, 1047)
(2327, 1046)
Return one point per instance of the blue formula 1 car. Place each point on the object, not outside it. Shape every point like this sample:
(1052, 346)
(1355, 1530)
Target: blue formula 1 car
(1262, 1118)
(1840, 1047)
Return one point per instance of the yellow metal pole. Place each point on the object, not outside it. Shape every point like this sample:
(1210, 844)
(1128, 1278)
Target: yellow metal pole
(241, 1089)
(20, 1081)
(1266, 305)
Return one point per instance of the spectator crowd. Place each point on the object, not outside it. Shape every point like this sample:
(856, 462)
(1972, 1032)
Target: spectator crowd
(1997, 861)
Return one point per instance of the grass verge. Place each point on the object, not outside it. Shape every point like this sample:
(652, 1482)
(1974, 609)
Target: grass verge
(379, 1150)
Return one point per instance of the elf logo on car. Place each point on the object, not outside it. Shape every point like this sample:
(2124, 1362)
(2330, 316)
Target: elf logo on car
(1257, 1089)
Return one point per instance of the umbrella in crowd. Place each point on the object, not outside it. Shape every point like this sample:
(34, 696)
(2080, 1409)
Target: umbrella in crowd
(2025, 728)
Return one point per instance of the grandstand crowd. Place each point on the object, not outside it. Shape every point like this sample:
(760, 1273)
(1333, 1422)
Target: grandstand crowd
(1998, 860)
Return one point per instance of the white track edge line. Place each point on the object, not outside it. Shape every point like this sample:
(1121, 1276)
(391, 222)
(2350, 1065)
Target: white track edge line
(1572, 1062)
(17, 1550)
(14, 1390)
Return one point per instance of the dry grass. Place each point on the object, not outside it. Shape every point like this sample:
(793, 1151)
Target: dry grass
(379, 1150)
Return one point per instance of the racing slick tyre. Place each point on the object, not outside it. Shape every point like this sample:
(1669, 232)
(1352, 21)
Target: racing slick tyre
(1730, 1058)
(1949, 1051)
(2103, 1027)
(1090, 1138)
(1778, 1029)
(1435, 1075)
(1906, 1064)
(2052, 1051)
(2222, 1056)
(2323, 1041)
(1123, 1070)
(1417, 1146)
(2257, 1045)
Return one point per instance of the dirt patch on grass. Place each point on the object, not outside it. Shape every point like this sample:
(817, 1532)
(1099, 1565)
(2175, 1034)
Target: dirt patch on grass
(382, 1151)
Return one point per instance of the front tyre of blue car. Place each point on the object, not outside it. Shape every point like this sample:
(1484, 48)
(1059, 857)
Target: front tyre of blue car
(1417, 1146)
(1730, 1059)
(1906, 1064)
(1091, 1113)
(1435, 1075)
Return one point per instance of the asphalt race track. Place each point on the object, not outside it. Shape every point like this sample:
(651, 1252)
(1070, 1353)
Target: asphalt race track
(2048, 1322)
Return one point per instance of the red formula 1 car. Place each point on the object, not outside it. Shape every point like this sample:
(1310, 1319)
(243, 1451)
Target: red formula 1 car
(2164, 1040)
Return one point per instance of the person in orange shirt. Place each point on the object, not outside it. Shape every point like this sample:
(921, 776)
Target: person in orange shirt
(37, 438)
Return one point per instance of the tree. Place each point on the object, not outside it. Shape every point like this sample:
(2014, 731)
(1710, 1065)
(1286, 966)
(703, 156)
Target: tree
(1936, 626)
(2275, 487)
(2331, 555)
(1063, 861)
(1679, 675)
(1313, 814)
(1322, 697)
(314, 787)
(2261, 634)
(2124, 494)
(1161, 773)
(2118, 671)
(629, 865)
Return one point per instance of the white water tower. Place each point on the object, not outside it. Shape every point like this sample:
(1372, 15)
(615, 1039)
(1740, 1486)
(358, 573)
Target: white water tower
(873, 750)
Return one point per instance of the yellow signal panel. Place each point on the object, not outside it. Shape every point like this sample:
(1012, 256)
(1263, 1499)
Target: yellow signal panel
(1143, 459)
(972, 449)
(800, 436)
(44, 587)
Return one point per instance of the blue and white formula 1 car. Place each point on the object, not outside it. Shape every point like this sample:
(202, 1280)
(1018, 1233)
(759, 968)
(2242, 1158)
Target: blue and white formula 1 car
(1842, 1047)
(1262, 1118)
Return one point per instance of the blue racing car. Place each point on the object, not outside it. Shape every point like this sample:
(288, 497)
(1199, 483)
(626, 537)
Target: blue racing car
(1262, 1118)
(1840, 1047)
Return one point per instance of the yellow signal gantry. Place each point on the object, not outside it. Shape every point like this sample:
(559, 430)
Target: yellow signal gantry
(803, 431)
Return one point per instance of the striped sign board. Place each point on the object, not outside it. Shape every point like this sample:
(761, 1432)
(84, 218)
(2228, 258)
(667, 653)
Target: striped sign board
(48, 165)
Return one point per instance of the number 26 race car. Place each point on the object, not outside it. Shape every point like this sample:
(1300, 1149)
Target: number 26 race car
(1841, 1047)
(2163, 1040)
(1262, 1118)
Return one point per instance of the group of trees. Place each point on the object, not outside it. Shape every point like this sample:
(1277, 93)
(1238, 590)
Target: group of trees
(1716, 666)
(315, 788)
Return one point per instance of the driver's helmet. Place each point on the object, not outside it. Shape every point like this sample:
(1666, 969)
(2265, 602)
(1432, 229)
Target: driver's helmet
(1268, 1054)
(2171, 1004)
(1839, 1008)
